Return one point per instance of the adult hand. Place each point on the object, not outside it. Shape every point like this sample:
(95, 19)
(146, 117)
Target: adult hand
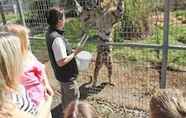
(77, 50)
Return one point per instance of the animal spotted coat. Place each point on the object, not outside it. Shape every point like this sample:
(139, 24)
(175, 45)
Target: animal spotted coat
(103, 18)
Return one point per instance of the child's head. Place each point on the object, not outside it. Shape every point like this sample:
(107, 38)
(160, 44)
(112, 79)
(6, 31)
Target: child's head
(168, 104)
(23, 33)
(10, 60)
(80, 109)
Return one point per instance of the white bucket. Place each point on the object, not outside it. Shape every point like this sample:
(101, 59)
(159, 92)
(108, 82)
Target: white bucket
(83, 60)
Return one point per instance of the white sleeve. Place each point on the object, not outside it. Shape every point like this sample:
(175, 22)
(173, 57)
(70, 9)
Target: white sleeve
(59, 49)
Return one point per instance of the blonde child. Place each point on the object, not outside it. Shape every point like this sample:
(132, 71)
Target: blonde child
(10, 70)
(34, 78)
(80, 109)
(168, 104)
(14, 99)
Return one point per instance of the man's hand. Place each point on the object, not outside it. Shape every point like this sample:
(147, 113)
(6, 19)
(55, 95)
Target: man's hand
(77, 50)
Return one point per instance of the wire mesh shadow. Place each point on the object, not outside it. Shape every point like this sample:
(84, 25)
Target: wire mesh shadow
(87, 90)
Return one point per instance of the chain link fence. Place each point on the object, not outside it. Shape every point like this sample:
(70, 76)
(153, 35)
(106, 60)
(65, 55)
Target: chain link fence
(139, 51)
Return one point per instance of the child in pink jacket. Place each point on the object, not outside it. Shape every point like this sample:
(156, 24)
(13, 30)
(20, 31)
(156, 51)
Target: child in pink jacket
(34, 77)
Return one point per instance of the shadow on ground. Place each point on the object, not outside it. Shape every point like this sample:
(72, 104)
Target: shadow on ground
(87, 90)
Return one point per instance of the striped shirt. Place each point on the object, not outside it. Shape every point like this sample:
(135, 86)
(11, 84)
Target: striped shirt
(22, 101)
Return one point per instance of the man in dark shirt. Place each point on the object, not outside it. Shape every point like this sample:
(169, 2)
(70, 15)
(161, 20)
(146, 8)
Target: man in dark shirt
(61, 56)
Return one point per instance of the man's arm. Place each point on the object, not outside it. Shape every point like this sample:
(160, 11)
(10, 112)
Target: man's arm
(67, 59)
(60, 53)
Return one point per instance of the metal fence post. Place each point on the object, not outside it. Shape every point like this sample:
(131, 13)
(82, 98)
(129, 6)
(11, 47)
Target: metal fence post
(20, 10)
(165, 44)
(2, 13)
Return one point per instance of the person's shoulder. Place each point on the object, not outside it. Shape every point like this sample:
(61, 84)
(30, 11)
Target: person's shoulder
(51, 34)
(59, 39)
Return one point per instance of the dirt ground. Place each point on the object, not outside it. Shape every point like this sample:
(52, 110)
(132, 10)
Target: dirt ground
(134, 82)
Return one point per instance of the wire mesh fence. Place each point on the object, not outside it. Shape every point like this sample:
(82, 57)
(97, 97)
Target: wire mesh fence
(136, 52)
(136, 77)
(177, 32)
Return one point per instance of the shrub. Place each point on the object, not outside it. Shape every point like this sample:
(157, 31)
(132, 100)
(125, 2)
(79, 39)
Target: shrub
(135, 22)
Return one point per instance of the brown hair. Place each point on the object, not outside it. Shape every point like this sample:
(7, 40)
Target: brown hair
(80, 109)
(54, 14)
(168, 104)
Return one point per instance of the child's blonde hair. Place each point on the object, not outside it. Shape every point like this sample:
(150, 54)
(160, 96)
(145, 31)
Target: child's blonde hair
(168, 104)
(23, 34)
(10, 60)
(80, 109)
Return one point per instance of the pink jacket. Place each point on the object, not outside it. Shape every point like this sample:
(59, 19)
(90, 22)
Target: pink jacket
(33, 79)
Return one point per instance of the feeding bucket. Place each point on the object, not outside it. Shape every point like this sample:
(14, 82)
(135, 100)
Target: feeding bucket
(83, 60)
